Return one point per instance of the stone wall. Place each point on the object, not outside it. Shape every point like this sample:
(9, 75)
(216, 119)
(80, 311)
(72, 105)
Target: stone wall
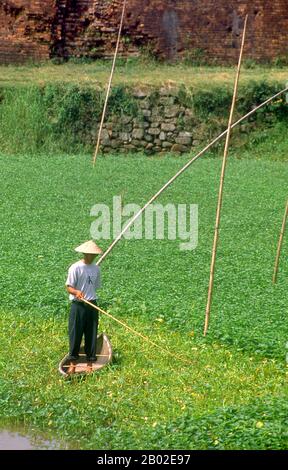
(210, 29)
(162, 124)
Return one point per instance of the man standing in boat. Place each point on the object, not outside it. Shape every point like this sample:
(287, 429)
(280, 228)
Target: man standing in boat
(82, 282)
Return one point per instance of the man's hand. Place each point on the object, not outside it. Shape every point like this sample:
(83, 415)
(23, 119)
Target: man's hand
(79, 295)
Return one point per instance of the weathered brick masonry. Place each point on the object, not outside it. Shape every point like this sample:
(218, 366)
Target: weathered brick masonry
(25, 29)
(172, 28)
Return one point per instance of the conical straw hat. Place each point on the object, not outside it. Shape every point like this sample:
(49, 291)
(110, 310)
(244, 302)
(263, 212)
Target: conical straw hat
(89, 248)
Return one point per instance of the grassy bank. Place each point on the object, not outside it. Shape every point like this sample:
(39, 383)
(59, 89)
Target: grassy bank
(63, 117)
(133, 72)
(145, 400)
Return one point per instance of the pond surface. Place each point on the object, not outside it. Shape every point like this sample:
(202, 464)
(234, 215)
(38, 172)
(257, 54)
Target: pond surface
(19, 440)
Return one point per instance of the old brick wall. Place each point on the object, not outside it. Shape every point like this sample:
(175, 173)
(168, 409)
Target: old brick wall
(214, 27)
(87, 28)
(170, 28)
(25, 29)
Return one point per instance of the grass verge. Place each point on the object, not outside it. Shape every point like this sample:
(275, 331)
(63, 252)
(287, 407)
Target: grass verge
(135, 73)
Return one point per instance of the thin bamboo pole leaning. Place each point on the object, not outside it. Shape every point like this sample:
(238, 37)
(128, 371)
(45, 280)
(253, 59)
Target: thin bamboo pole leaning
(166, 351)
(221, 187)
(109, 83)
(185, 167)
(275, 273)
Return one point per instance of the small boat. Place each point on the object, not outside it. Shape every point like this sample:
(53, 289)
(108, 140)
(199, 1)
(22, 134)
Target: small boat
(103, 353)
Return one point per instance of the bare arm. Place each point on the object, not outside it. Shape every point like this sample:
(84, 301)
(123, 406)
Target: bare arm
(78, 294)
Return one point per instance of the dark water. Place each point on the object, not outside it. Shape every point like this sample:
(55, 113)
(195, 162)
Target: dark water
(18, 440)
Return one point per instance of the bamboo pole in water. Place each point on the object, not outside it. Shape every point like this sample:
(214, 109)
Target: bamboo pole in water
(109, 84)
(220, 196)
(275, 273)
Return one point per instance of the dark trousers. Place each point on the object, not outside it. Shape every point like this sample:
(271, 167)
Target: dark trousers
(83, 319)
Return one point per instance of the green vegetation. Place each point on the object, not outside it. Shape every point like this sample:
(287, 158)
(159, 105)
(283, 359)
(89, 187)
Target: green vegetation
(56, 118)
(134, 72)
(63, 117)
(233, 393)
(233, 428)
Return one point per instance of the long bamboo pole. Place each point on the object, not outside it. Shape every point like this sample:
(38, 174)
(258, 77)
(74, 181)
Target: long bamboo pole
(221, 187)
(185, 167)
(280, 244)
(166, 351)
(109, 83)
